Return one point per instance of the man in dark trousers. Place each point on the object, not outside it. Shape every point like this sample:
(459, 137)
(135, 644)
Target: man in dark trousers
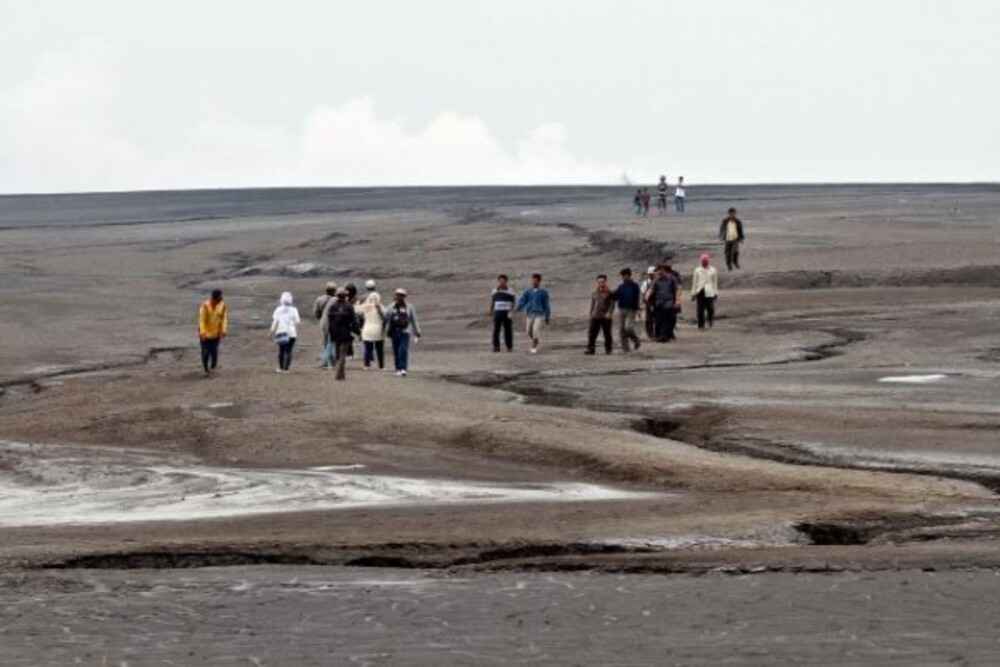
(602, 308)
(664, 297)
(502, 303)
(731, 233)
(343, 323)
(628, 300)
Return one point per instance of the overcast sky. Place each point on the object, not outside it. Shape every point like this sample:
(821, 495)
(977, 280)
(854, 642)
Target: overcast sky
(107, 95)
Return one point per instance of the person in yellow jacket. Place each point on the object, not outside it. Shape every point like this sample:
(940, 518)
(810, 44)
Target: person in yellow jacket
(213, 325)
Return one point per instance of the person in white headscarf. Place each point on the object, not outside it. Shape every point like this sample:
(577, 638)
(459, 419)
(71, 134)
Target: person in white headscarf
(284, 330)
(373, 326)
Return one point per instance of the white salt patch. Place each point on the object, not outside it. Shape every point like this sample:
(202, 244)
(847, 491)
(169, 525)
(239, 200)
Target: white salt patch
(219, 406)
(55, 485)
(913, 379)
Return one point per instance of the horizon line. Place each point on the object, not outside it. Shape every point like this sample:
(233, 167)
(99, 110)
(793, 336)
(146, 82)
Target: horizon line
(227, 188)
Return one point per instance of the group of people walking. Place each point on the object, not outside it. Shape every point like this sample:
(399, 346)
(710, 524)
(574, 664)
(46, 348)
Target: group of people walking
(642, 197)
(342, 314)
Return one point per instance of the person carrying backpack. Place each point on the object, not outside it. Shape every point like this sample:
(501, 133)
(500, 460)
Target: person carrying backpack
(328, 352)
(343, 324)
(402, 327)
(664, 297)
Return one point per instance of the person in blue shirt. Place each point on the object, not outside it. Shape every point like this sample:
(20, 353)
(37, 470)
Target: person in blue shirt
(535, 304)
(628, 299)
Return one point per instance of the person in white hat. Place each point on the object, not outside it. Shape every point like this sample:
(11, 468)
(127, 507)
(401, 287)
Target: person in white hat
(402, 326)
(372, 326)
(647, 310)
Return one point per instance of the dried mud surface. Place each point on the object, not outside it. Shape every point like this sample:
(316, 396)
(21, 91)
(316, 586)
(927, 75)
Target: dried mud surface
(770, 445)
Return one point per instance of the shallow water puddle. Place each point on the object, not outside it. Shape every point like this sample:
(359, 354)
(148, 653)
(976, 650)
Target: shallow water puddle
(53, 485)
(914, 379)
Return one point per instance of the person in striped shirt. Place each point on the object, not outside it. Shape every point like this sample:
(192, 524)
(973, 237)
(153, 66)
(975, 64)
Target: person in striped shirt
(502, 302)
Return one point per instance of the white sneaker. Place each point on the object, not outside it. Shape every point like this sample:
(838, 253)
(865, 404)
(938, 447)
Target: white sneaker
(534, 350)
(278, 370)
(403, 373)
(399, 374)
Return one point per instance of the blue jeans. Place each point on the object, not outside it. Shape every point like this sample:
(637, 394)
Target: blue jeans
(329, 354)
(401, 350)
(679, 204)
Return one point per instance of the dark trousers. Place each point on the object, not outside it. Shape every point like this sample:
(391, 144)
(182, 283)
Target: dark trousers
(210, 353)
(706, 309)
(666, 321)
(285, 354)
(343, 347)
(650, 322)
(401, 350)
(732, 254)
(502, 322)
(373, 349)
(602, 326)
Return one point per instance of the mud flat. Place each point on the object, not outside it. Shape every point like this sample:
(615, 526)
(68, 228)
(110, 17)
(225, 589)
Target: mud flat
(842, 416)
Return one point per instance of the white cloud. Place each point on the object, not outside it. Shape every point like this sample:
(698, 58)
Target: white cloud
(59, 134)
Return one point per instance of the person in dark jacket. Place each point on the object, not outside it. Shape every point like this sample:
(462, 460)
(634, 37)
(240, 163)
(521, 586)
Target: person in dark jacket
(602, 308)
(628, 300)
(343, 323)
(502, 303)
(664, 297)
(731, 233)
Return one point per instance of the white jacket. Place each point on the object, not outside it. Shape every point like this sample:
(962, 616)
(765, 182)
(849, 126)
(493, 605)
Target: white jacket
(373, 312)
(705, 279)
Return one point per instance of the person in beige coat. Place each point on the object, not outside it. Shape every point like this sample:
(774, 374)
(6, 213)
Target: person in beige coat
(705, 289)
(373, 330)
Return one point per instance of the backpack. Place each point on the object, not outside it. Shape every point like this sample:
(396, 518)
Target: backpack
(665, 293)
(400, 318)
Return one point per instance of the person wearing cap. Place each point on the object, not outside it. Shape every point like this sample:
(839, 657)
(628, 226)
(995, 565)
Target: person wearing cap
(284, 330)
(402, 326)
(372, 316)
(705, 288)
(213, 326)
(343, 324)
(647, 309)
(328, 351)
(628, 297)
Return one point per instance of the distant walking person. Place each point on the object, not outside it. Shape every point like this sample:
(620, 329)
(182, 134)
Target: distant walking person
(731, 233)
(664, 297)
(645, 202)
(679, 195)
(705, 288)
(502, 302)
(402, 322)
(284, 329)
(662, 192)
(602, 308)
(213, 326)
(628, 299)
(343, 324)
(328, 352)
(637, 201)
(647, 307)
(535, 304)
(372, 316)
